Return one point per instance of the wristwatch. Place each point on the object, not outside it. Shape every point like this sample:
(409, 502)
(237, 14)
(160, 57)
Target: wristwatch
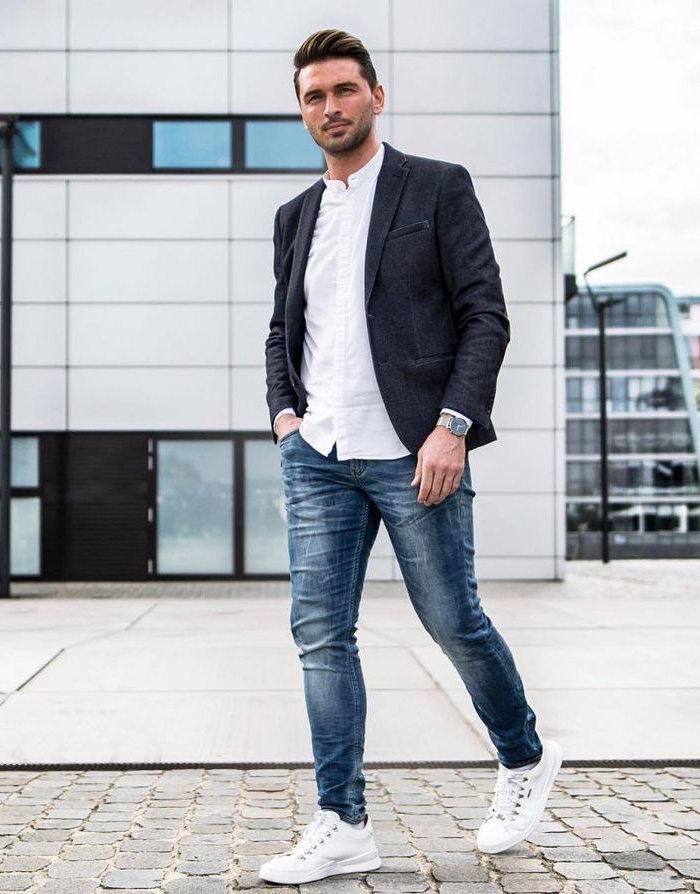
(455, 424)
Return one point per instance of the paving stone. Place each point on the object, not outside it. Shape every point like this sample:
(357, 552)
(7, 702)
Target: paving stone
(131, 878)
(76, 869)
(71, 886)
(470, 888)
(15, 881)
(635, 860)
(460, 872)
(585, 870)
(603, 886)
(330, 886)
(517, 882)
(654, 880)
(688, 868)
(201, 886)
(403, 883)
(202, 867)
(574, 854)
(506, 863)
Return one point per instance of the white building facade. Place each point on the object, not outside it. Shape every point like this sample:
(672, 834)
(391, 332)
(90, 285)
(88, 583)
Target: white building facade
(167, 133)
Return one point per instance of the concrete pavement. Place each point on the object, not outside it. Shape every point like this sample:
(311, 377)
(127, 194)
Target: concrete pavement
(209, 672)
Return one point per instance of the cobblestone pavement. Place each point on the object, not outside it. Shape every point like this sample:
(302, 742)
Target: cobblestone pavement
(605, 831)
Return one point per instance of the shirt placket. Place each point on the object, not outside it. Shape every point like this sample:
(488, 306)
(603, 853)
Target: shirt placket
(342, 295)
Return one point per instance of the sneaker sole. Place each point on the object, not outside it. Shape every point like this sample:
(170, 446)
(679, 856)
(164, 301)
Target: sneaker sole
(364, 863)
(556, 755)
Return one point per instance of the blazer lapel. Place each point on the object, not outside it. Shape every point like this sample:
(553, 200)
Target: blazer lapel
(294, 305)
(390, 184)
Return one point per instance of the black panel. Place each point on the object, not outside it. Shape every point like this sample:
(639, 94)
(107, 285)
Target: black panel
(95, 506)
(96, 145)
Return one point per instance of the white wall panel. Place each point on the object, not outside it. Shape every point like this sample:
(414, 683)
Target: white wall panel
(252, 276)
(271, 25)
(147, 209)
(39, 25)
(131, 83)
(532, 338)
(514, 524)
(148, 334)
(487, 145)
(155, 25)
(262, 82)
(248, 406)
(32, 82)
(507, 466)
(38, 271)
(517, 208)
(524, 398)
(249, 329)
(39, 399)
(526, 270)
(173, 270)
(254, 201)
(39, 334)
(471, 82)
(472, 25)
(152, 399)
(38, 208)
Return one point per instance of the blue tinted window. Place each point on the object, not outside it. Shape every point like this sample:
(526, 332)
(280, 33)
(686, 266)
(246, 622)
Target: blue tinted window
(26, 145)
(191, 144)
(281, 144)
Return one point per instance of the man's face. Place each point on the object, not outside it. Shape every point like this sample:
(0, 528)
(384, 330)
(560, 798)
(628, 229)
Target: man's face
(337, 104)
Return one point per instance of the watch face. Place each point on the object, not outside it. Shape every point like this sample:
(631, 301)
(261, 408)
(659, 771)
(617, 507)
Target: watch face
(458, 426)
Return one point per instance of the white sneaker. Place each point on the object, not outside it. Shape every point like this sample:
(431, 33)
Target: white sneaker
(328, 846)
(519, 801)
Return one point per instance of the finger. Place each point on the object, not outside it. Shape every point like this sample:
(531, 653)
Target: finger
(417, 475)
(437, 488)
(426, 485)
(448, 487)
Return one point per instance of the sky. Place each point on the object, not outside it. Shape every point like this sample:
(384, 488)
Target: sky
(629, 77)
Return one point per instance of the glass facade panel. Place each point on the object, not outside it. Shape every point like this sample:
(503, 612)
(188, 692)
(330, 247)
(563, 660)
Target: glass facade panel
(638, 309)
(192, 144)
(25, 535)
(26, 146)
(630, 436)
(265, 550)
(622, 352)
(633, 477)
(281, 145)
(24, 462)
(194, 507)
(626, 394)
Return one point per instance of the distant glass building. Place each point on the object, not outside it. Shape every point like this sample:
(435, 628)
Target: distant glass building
(653, 371)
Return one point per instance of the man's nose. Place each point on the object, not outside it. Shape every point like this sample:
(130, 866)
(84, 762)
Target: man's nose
(331, 109)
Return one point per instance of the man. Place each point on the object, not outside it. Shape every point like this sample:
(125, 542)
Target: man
(387, 334)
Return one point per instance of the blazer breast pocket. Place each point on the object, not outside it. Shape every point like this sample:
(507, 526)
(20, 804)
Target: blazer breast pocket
(415, 227)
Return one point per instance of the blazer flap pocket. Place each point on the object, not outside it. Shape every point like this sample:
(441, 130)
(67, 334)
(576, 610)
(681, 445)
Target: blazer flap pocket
(414, 227)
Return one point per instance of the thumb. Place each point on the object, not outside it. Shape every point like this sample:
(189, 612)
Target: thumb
(417, 476)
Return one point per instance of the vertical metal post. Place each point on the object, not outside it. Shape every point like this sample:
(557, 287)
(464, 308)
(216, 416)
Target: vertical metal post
(7, 130)
(604, 521)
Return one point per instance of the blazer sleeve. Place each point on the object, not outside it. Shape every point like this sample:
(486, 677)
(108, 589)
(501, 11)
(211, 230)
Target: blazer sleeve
(280, 391)
(476, 296)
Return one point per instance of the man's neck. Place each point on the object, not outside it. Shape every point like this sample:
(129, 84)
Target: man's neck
(341, 168)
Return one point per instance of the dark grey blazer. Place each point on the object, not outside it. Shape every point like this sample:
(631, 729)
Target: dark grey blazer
(436, 315)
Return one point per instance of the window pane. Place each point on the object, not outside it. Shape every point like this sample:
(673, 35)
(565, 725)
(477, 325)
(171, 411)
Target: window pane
(26, 145)
(265, 517)
(25, 462)
(191, 144)
(195, 507)
(25, 535)
(281, 145)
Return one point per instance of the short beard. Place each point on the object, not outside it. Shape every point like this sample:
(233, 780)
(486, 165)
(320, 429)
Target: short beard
(352, 140)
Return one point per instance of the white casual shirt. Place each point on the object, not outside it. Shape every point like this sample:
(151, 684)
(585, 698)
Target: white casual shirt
(344, 404)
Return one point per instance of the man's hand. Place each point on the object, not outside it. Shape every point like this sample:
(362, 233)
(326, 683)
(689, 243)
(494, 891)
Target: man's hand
(440, 465)
(286, 425)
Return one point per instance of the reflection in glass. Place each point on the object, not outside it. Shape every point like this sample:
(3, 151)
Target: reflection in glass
(25, 535)
(26, 146)
(265, 519)
(24, 462)
(191, 144)
(195, 507)
(281, 145)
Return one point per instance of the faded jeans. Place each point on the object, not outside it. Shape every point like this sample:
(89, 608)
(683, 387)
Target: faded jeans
(333, 512)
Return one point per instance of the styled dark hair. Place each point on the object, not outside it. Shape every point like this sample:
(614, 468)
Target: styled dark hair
(332, 43)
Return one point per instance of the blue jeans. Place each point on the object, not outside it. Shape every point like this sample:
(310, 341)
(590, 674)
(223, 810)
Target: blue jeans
(333, 512)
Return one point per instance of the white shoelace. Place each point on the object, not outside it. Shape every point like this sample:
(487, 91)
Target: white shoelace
(321, 827)
(510, 785)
